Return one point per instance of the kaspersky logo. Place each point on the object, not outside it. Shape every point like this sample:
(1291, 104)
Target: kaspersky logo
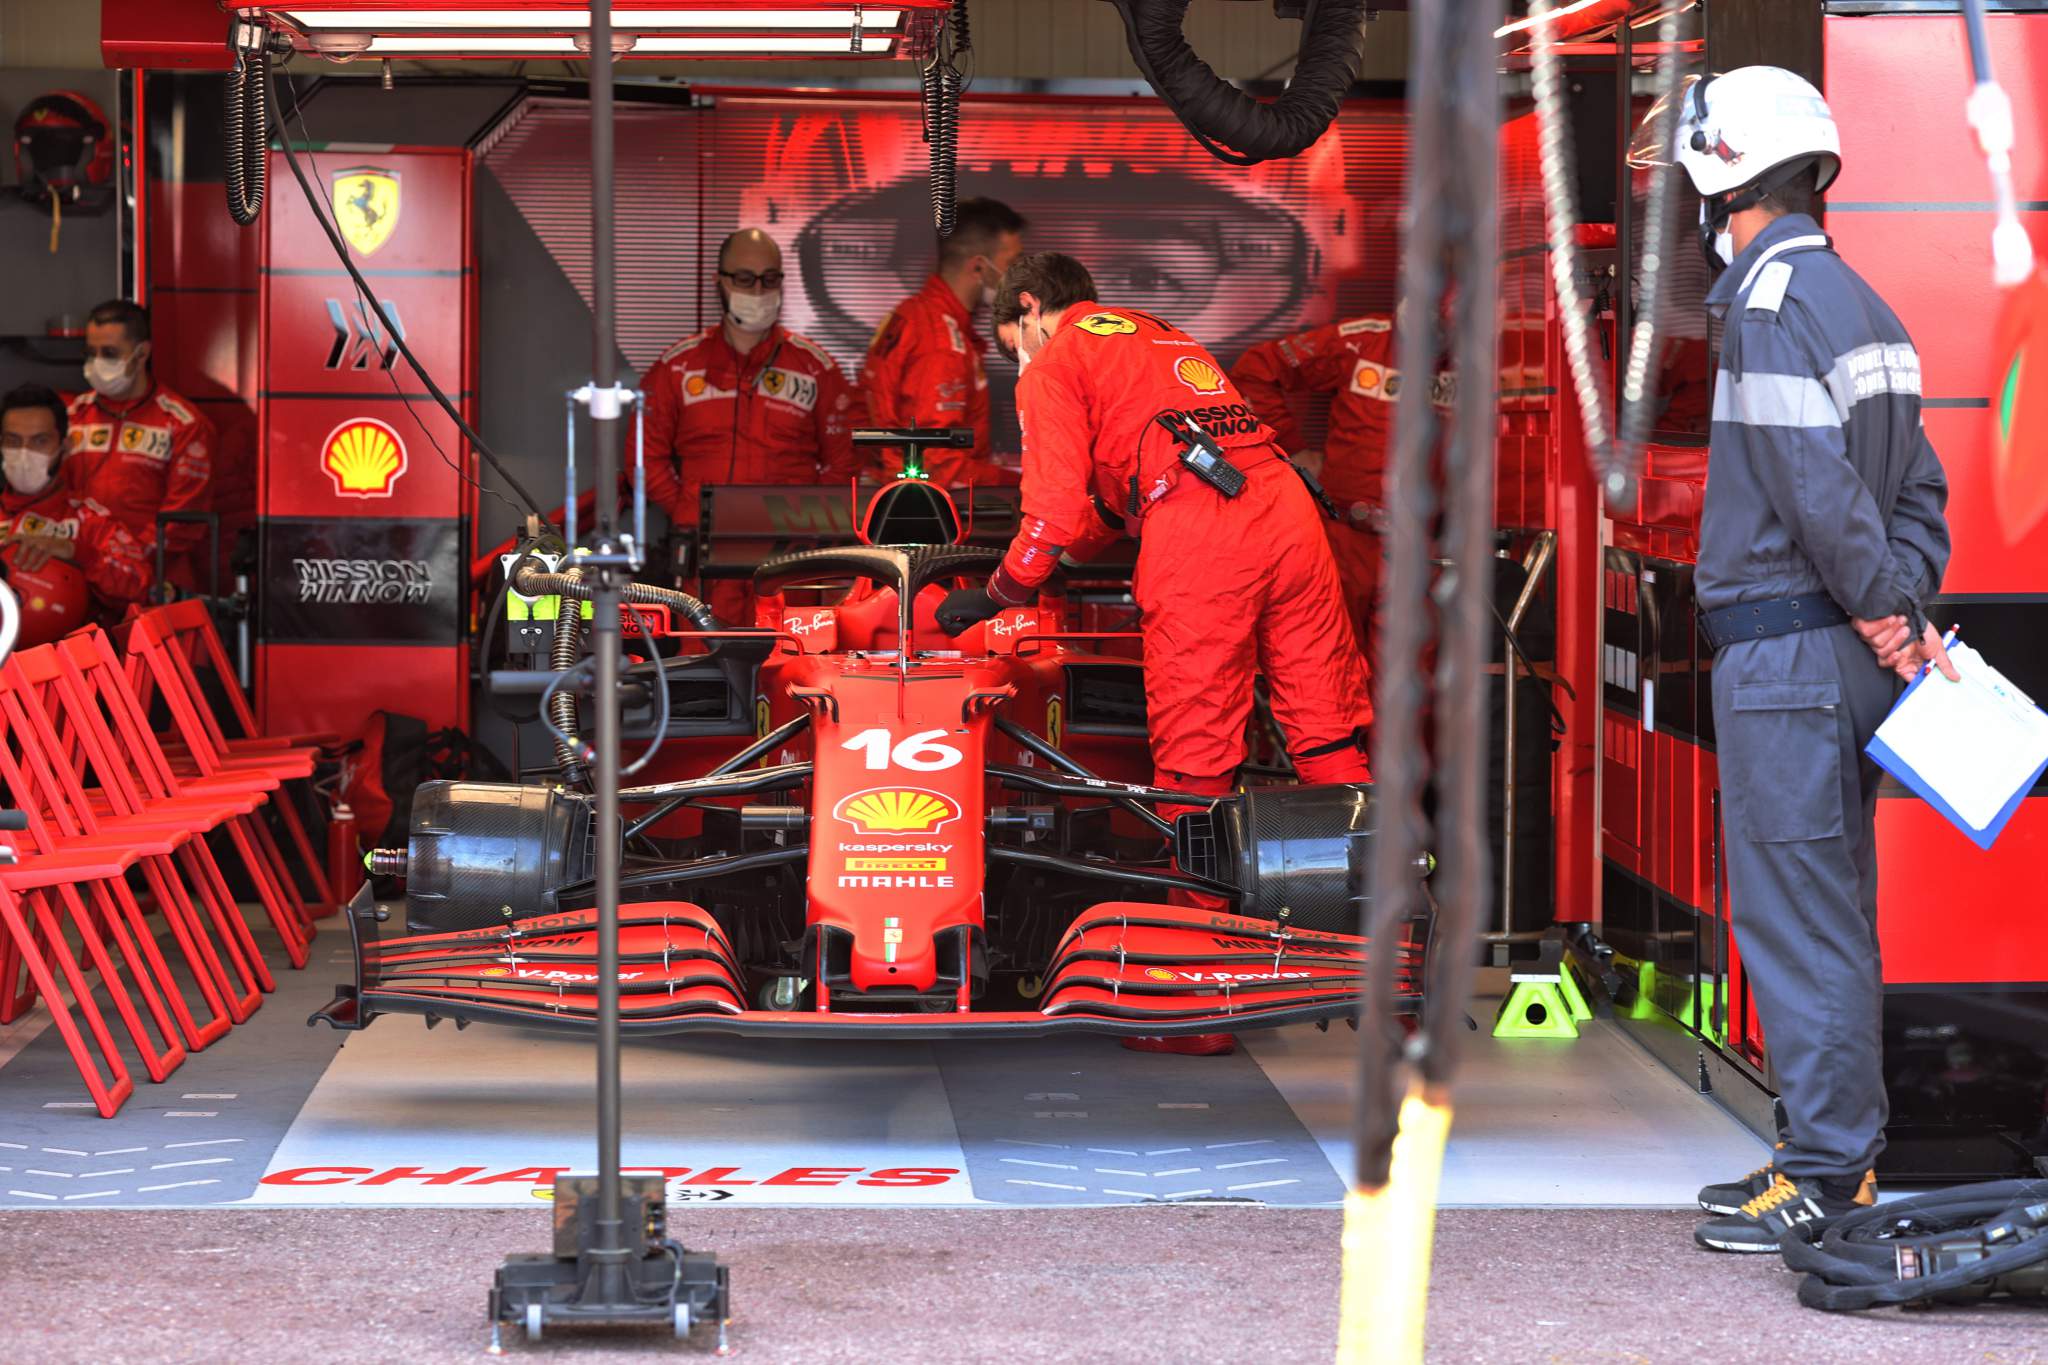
(1198, 374)
(364, 458)
(896, 810)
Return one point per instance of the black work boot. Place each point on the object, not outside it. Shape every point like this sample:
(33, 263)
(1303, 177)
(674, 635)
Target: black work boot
(1762, 1222)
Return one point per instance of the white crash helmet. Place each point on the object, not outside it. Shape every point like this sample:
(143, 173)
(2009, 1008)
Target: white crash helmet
(1733, 130)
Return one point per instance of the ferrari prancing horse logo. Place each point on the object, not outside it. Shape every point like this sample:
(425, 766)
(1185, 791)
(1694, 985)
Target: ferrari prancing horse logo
(366, 206)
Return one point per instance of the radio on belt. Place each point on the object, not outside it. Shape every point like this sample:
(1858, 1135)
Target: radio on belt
(1202, 455)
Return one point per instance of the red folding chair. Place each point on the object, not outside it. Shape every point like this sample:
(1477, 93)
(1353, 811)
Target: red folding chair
(102, 744)
(164, 645)
(86, 874)
(34, 944)
(166, 791)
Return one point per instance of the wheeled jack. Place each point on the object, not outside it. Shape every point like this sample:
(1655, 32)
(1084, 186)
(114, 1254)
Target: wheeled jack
(651, 1282)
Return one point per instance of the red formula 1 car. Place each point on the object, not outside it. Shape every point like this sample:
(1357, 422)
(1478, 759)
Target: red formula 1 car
(917, 842)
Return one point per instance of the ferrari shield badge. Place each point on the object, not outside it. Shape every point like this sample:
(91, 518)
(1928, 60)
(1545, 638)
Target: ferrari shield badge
(366, 206)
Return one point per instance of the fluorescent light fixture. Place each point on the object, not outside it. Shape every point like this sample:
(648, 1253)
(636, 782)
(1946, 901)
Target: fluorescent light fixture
(564, 20)
(538, 45)
(870, 44)
(541, 45)
(1550, 18)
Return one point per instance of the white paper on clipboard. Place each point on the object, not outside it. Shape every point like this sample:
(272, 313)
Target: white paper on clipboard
(1975, 742)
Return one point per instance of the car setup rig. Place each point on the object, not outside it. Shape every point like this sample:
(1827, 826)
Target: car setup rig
(932, 865)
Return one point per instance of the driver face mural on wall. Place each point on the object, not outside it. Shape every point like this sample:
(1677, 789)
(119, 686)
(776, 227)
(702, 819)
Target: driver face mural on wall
(1231, 255)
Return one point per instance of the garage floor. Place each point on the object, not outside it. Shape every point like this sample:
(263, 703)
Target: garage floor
(280, 1114)
(971, 1179)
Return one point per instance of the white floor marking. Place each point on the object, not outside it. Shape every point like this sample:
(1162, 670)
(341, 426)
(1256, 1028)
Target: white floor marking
(1112, 1151)
(123, 1151)
(1253, 1142)
(205, 1142)
(1107, 1170)
(1184, 1194)
(56, 1175)
(70, 1104)
(1048, 1185)
(1263, 1185)
(1132, 1194)
(31, 1194)
(1178, 1170)
(65, 1151)
(197, 1161)
(1054, 1146)
(1166, 1151)
(178, 1185)
(95, 1175)
(229, 1096)
(1262, 1161)
(191, 1113)
(91, 1194)
(1049, 1165)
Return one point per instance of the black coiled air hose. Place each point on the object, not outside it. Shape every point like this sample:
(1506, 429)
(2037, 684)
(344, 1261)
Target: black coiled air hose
(562, 706)
(1856, 1263)
(1235, 127)
(534, 581)
(942, 132)
(247, 135)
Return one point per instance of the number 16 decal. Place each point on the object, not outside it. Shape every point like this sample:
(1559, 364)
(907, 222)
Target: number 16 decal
(923, 752)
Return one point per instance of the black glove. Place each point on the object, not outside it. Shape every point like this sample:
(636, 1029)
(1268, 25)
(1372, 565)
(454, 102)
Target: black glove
(964, 607)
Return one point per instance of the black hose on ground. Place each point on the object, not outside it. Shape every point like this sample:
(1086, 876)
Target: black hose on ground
(1949, 1245)
(1235, 127)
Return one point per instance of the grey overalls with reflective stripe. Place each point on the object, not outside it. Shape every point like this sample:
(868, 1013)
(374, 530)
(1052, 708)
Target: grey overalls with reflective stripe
(1820, 477)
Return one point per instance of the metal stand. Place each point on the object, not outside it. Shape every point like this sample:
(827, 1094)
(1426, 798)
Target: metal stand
(607, 1269)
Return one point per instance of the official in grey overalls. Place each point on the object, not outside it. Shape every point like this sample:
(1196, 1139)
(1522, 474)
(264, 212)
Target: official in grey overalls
(1822, 538)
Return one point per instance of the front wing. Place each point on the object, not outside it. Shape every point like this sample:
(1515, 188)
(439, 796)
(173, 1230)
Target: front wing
(1122, 968)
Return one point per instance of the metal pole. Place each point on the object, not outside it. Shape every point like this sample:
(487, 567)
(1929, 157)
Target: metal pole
(1534, 566)
(610, 1254)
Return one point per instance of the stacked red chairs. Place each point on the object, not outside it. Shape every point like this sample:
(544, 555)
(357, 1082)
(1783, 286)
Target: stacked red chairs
(114, 843)
(168, 647)
(67, 908)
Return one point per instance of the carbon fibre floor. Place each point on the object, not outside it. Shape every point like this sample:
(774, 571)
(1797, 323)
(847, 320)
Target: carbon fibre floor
(280, 1114)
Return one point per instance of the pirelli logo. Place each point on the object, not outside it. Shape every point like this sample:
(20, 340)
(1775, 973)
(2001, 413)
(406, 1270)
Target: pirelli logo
(895, 864)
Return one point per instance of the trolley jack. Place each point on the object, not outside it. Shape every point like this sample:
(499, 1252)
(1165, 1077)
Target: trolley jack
(649, 1282)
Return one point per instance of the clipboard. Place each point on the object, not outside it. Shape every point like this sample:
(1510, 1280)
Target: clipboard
(1892, 762)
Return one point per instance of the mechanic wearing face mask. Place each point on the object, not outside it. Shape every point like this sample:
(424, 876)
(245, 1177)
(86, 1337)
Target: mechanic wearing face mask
(54, 542)
(1234, 576)
(746, 401)
(924, 365)
(1353, 362)
(1821, 539)
(135, 446)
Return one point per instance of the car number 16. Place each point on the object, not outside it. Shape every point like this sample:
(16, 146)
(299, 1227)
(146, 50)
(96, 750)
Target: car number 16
(923, 752)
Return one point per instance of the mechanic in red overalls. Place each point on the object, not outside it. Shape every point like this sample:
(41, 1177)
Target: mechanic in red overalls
(747, 401)
(1229, 585)
(924, 365)
(1353, 362)
(58, 550)
(135, 446)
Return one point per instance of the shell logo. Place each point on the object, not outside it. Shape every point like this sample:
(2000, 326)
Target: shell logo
(1199, 375)
(902, 810)
(364, 458)
(1159, 974)
(495, 971)
(694, 386)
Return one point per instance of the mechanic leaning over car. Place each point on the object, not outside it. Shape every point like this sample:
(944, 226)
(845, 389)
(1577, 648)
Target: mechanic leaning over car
(924, 364)
(1234, 576)
(747, 401)
(1821, 539)
(1353, 362)
(42, 521)
(136, 447)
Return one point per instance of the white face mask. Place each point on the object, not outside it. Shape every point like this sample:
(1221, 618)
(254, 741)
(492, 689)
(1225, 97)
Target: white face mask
(1719, 246)
(116, 379)
(1024, 355)
(754, 312)
(29, 472)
